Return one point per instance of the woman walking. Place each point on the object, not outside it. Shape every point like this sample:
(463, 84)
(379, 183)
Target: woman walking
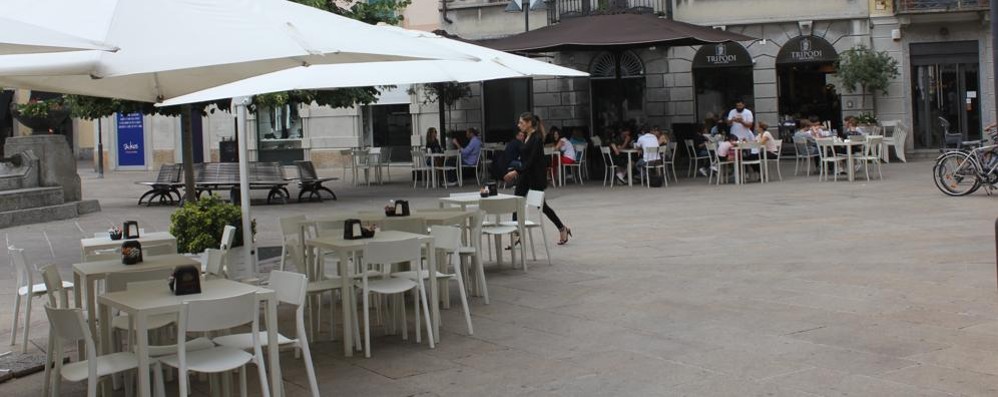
(533, 171)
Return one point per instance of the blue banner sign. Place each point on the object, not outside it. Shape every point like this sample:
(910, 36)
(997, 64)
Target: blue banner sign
(131, 140)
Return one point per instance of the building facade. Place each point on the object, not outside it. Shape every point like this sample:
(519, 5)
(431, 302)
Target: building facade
(943, 47)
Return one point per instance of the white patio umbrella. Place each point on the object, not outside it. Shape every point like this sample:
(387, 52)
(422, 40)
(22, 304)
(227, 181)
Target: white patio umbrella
(174, 47)
(19, 37)
(491, 65)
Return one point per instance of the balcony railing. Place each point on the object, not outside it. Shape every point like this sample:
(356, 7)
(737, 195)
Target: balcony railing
(924, 6)
(558, 9)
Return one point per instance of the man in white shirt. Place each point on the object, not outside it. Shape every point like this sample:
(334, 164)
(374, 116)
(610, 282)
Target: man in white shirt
(741, 121)
(648, 140)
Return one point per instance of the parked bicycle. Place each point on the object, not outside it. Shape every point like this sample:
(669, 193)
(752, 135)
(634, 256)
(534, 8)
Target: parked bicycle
(960, 172)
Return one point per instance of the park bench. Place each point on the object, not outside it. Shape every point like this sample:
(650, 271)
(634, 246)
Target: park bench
(167, 184)
(310, 183)
(262, 176)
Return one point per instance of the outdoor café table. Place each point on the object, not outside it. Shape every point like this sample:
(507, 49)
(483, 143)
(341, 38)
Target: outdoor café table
(104, 243)
(472, 198)
(86, 274)
(156, 298)
(345, 248)
(630, 164)
(849, 144)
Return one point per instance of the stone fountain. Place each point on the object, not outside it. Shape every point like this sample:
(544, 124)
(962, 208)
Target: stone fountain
(39, 183)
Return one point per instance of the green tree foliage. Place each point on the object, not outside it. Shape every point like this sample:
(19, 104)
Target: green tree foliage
(867, 69)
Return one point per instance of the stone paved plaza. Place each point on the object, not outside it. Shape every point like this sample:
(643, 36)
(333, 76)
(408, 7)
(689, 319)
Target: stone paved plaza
(794, 288)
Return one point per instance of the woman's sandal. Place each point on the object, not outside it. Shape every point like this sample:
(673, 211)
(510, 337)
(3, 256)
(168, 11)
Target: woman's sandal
(516, 242)
(565, 234)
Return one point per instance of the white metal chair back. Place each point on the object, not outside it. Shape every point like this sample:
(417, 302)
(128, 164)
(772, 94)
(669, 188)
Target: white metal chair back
(607, 156)
(67, 325)
(873, 145)
(228, 236)
(500, 207)
(535, 198)
(409, 224)
(290, 225)
(652, 149)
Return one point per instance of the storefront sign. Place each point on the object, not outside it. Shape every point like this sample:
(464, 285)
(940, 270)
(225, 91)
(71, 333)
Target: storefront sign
(804, 49)
(131, 140)
(728, 54)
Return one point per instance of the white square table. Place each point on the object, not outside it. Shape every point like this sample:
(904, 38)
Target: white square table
(848, 144)
(86, 274)
(104, 243)
(345, 248)
(472, 198)
(140, 303)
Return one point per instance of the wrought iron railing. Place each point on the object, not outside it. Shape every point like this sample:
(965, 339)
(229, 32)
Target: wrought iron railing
(558, 9)
(920, 6)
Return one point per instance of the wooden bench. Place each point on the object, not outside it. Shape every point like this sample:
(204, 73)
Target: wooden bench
(167, 184)
(262, 176)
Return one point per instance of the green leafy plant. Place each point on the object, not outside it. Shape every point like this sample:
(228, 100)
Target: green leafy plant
(199, 225)
(446, 95)
(40, 108)
(866, 119)
(867, 69)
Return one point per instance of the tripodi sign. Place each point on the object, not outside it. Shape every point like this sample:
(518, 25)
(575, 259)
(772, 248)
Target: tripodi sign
(803, 49)
(721, 55)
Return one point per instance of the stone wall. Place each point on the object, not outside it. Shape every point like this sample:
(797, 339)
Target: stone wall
(56, 164)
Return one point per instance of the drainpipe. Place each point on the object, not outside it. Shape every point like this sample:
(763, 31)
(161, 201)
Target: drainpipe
(668, 9)
(443, 11)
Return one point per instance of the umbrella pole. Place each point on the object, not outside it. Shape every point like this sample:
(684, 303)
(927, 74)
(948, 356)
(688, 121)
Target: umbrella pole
(187, 150)
(249, 268)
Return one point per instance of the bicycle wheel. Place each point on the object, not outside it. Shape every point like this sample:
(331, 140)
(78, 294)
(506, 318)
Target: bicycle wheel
(956, 174)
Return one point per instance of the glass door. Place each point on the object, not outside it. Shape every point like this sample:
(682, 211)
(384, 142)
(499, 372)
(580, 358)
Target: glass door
(950, 92)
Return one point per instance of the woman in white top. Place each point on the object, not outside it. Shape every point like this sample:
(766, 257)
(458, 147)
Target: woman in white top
(565, 147)
(767, 140)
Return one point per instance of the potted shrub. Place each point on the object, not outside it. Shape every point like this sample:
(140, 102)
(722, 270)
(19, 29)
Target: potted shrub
(41, 115)
(867, 120)
(199, 225)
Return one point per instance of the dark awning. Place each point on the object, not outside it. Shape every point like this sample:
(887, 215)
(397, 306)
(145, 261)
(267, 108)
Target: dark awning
(612, 32)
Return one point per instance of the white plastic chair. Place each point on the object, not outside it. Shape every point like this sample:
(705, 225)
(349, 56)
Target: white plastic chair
(214, 315)
(318, 284)
(803, 153)
(668, 154)
(498, 209)
(871, 155)
(214, 263)
(228, 236)
(67, 325)
(289, 234)
(420, 168)
(290, 289)
(119, 281)
(611, 168)
(24, 279)
(473, 251)
(767, 159)
(827, 155)
(535, 202)
(718, 166)
(897, 140)
(387, 254)
(578, 165)
(749, 147)
(448, 240)
(657, 164)
(694, 159)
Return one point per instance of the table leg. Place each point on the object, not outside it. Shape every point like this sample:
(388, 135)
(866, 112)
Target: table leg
(105, 338)
(630, 176)
(273, 354)
(91, 297)
(78, 287)
(738, 167)
(142, 351)
(849, 160)
(346, 291)
(434, 293)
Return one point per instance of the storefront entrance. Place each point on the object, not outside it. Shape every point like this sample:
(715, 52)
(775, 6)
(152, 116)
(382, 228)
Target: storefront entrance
(722, 73)
(392, 128)
(802, 68)
(945, 84)
(618, 90)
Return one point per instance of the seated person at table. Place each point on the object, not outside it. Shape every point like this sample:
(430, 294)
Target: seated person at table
(509, 158)
(578, 138)
(726, 148)
(567, 151)
(621, 142)
(852, 127)
(432, 143)
(767, 140)
(649, 140)
(469, 153)
(818, 130)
